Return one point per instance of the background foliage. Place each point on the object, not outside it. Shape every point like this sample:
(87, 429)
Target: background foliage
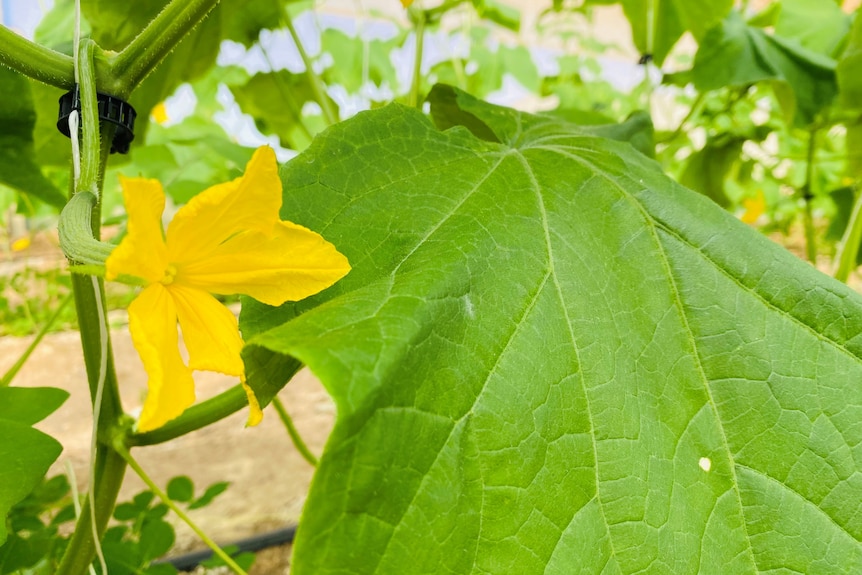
(549, 354)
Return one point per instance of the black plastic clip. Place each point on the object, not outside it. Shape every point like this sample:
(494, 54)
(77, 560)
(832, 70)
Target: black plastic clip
(111, 109)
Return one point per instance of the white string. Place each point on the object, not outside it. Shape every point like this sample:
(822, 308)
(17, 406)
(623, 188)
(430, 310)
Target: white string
(76, 145)
(97, 409)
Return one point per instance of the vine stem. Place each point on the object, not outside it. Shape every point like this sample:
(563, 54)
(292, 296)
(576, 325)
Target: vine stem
(807, 196)
(35, 61)
(155, 42)
(108, 468)
(416, 85)
(848, 249)
(300, 445)
(127, 456)
(316, 85)
(19, 363)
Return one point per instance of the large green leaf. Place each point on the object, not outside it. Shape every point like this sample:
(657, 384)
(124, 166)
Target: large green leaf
(737, 54)
(550, 358)
(19, 165)
(25, 453)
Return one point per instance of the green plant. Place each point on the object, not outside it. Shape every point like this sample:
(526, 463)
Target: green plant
(548, 356)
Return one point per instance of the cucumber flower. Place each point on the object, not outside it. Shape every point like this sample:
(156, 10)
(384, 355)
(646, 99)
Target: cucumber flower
(228, 239)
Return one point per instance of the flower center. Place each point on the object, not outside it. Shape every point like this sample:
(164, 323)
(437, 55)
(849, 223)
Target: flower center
(170, 275)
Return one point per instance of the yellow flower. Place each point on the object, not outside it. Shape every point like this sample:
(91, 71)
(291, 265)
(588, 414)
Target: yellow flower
(406, 3)
(227, 240)
(753, 208)
(160, 113)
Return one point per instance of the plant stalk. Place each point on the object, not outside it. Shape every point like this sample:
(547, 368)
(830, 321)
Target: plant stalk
(13, 371)
(121, 449)
(197, 416)
(416, 85)
(35, 61)
(807, 196)
(848, 249)
(156, 41)
(108, 467)
(300, 445)
(316, 85)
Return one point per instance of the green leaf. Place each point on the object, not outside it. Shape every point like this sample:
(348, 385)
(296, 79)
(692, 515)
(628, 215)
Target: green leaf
(707, 169)
(736, 54)
(452, 107)
(181, 489)
(657, 25)
(19, 164)
(499, 13)
(29, 405)
(210, 494)
(25, 453)
(156, 539)
(849, 69)
(551, 358)
(818, 25)
(275, 100)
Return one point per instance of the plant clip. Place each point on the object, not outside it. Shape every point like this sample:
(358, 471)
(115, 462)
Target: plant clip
(111, 109)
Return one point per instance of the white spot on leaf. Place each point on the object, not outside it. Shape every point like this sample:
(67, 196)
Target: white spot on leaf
(705, 463)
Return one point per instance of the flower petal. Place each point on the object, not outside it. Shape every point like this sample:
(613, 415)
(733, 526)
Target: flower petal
(255, 414)
(251, 202)
(210, 331)
(153, 324)
(142, 253)
(289, 264)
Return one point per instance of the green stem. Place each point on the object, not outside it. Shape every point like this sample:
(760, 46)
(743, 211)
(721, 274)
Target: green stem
(110, 469)
(74, 230)
(848, 249)
(155, 42)
(13, 371)
(807, 196)
(416, 85)
(691, 112)
(316, 85)
(292, 107)
(89, 177)
(197, 416)
(293, 432)
(35, 61)
(121, 449)
(108, 466)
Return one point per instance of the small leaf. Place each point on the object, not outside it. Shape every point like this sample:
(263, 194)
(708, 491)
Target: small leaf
(210, 494)
(25, 453)
(156, 539)
(181, 489)
(29, 405)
